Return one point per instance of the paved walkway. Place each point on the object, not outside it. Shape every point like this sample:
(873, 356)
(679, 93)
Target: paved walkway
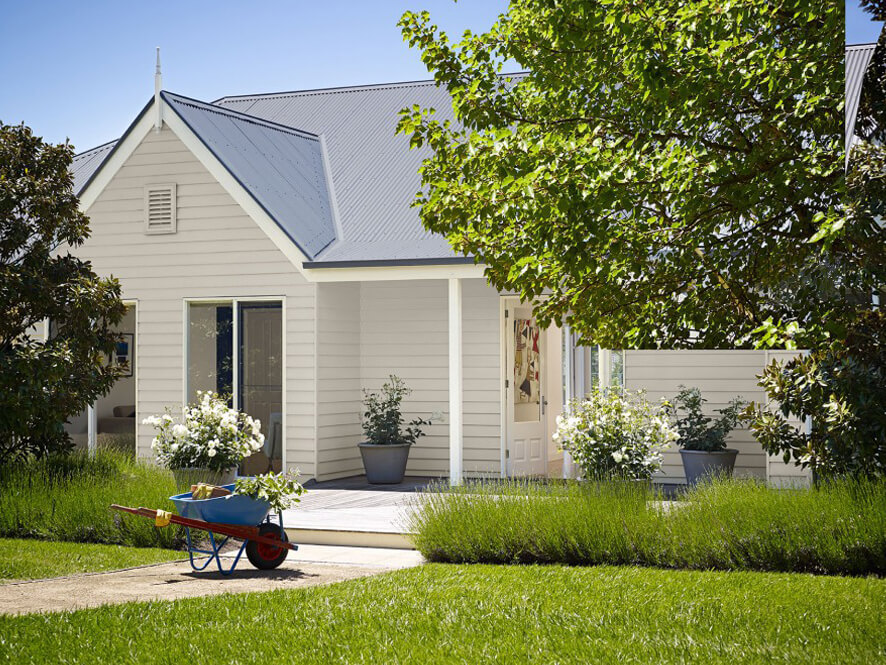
(311, 565)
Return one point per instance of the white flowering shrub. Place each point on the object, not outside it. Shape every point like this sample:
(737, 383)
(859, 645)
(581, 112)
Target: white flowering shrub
(615, 433)
(211, 435)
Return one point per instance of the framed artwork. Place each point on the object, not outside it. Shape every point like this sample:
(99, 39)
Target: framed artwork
(123, 352)
(526, 361)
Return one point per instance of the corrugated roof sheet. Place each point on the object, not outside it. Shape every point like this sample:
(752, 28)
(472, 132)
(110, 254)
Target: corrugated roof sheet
(282, 168)
(857, 59)
(86, 163)
(374, 172)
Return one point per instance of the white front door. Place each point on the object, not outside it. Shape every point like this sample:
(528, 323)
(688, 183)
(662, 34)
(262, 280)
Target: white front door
(526, 440)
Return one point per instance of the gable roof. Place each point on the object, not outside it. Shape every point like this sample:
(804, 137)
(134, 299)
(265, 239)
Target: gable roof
(373, 169)
(857, 59)
(281, 167)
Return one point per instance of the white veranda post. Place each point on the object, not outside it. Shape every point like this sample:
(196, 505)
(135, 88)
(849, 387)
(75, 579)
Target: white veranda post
(91, 429)
(456, 442)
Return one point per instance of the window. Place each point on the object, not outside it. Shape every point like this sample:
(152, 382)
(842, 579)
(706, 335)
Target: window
(235, 348)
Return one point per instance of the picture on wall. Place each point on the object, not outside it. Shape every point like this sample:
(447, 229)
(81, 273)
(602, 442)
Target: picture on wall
(123, 353)
(526, 361)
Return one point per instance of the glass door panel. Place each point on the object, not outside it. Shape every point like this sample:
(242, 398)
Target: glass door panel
(210, 349)
(260, 378)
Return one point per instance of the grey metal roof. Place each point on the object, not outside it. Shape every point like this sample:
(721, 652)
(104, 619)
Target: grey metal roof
(87, 163)
(281, 167)
(375, 174)
(857, 59)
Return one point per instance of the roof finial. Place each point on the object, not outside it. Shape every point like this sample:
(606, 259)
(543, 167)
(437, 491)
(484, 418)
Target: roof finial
(158, 85)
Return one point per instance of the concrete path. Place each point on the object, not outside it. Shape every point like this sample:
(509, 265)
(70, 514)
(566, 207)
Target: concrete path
(311, 565)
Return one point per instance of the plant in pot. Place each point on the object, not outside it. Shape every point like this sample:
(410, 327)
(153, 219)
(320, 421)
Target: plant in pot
(702, 438)
(386, 449)
(207, 444)
(615, 434)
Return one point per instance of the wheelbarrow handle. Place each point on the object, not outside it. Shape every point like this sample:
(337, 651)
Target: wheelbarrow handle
(233, 530)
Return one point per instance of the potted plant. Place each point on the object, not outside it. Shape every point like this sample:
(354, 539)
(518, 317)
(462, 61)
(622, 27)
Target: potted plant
(702, 438)
(208, 443)
(615, 434)
(386, 449)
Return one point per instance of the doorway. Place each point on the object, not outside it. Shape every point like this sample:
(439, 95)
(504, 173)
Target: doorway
(524, 391)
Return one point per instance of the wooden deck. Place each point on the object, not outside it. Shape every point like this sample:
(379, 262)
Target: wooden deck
(353, 512)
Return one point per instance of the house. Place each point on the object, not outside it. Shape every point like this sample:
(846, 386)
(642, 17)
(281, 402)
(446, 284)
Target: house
(267, 248)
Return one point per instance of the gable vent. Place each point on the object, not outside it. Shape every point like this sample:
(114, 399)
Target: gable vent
(160, 209)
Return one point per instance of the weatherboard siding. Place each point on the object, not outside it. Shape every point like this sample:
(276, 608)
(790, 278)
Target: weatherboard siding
(721, 376)
(338, 380)
(217, 252)
(404, 331)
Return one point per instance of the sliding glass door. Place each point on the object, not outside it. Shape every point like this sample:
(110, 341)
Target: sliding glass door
(260, 377)
(235, 348)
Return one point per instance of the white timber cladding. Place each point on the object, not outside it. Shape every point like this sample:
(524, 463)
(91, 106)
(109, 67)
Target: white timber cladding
(404, 331)
(338, 380)
(720, 375)
(218, 252)
(160, 209)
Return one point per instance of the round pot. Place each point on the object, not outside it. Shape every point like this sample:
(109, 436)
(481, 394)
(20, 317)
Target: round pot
(385, 464)
(186, 477)
(698, 464)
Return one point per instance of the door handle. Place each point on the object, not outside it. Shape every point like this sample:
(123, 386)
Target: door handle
(544, 404)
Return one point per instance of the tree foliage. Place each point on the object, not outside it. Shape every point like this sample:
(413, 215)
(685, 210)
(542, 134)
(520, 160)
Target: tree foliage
(842, 390)
(42, 384)
(668, 174)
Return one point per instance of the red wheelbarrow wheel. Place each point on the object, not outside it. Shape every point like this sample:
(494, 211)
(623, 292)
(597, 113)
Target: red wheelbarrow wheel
(266, 557)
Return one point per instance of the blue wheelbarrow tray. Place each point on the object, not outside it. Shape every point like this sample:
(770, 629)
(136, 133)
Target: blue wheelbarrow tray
(232, 509)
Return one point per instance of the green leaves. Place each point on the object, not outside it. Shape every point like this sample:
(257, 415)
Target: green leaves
(639, 135)
(42, 384)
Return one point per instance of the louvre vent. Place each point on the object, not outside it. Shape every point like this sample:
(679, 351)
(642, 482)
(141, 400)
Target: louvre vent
(160, 209)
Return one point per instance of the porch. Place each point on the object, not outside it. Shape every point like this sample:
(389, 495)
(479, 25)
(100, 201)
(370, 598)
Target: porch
(351, 512)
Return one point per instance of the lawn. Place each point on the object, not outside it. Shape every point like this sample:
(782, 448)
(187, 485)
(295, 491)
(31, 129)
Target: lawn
(485, 614)
(34, 559)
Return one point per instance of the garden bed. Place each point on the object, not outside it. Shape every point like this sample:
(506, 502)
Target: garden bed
(67, 499)
(839, 529)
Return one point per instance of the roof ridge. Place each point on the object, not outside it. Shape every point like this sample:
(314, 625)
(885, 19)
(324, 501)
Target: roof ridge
(98, 147)
(244, 116)
(343, 88)
(861, 45)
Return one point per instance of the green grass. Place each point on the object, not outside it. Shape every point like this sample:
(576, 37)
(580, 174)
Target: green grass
(725, 525)
(34, 559)
(484, 614)
(67, 499)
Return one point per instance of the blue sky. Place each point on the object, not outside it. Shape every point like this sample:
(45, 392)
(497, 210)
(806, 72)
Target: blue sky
(82, 70)
(859, 26)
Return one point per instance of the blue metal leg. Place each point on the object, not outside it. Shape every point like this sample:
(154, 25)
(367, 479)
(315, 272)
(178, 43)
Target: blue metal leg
(214, 554)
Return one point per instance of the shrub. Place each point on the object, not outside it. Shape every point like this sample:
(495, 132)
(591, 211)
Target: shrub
(211, 436)
(843, 390)
(383, 419)
(281, 490)
(67, 498)
(615, 433)
(698, 431)
(837, 529)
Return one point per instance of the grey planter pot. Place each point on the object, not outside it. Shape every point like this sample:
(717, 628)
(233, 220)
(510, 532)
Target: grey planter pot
(385, 464)
(699, 464)
(184, 478)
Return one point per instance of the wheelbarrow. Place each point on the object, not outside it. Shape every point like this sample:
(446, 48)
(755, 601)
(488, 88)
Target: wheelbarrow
(233, 516)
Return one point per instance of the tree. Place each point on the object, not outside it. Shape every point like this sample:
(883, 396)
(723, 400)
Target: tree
(42, 384)
(841, 386)
(668, 174)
